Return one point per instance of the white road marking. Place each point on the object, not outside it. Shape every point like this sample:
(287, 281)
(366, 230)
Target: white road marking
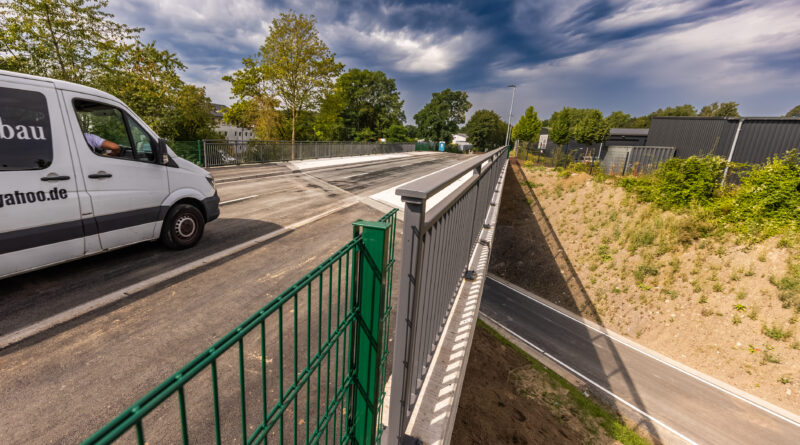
(583, 377)
(617, 339)
(237, 200)
(63, 317)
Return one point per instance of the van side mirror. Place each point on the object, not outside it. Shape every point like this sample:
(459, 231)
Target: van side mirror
(162, 157)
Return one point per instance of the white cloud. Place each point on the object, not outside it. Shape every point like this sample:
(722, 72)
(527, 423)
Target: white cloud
(406, 50)
(630, 14)
(717, 59)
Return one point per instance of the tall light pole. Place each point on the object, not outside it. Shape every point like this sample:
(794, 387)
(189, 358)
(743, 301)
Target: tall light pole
(508, 131)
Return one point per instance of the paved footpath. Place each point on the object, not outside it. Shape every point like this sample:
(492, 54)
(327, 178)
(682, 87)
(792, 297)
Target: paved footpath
(693, 409)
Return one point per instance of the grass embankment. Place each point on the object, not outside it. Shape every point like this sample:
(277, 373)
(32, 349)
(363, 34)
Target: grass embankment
(707, 275)
(534, 404)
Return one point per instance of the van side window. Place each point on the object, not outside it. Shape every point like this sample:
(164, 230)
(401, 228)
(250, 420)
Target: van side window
(100, 123)
(25, 136)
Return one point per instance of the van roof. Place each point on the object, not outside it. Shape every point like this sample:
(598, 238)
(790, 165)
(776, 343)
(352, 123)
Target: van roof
(60, 84)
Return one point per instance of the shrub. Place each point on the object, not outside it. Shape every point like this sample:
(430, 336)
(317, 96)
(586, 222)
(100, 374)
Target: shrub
(789, 286)
(682, 182)
(768, 197)
(776, 332)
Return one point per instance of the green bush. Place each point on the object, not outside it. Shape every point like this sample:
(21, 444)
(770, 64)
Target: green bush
(765, 203)
(682, 182)
(768, 199)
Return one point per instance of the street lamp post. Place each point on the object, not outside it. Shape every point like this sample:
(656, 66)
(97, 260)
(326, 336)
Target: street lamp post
(508, 131)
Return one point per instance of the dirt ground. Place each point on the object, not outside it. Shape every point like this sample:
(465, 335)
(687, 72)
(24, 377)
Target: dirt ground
(507, 401)
(703, 302)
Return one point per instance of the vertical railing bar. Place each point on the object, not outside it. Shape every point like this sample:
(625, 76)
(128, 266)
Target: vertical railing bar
(241, 389)
(296, 297)
(319, 342)
(140, 433)
(328, 364)
(264, 376)
(184, 427)
(215, 394)
(308, 361)
(338, 322)
(280, 363)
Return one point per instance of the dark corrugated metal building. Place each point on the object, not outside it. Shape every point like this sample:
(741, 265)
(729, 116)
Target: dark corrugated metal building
(759, 137)
(616, 136)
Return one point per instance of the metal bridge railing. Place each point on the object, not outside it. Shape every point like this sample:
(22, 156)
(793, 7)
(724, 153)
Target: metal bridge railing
(438, 238)
(309, 367)
(217, 153)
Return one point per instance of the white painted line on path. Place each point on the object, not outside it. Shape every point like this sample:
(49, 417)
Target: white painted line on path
(63, 317)
(619, 339)
(586, 379)
(237, 200)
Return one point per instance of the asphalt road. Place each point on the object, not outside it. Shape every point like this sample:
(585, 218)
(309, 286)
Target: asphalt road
(61, 385)
(701, 412)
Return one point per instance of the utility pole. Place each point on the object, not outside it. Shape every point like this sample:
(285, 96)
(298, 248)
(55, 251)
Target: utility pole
(508, 131)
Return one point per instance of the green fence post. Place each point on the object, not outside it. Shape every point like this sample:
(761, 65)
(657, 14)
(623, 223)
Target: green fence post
(199, 152)
(370, 299)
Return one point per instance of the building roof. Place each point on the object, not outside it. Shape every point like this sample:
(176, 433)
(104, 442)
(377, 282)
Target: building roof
(616, 131)
(629, 131)
(748, 118)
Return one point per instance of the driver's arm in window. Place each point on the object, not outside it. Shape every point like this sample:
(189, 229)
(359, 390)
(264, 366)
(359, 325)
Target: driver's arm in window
(102, 146)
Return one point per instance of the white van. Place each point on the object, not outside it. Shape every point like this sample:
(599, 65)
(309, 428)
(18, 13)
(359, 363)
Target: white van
(81, 174)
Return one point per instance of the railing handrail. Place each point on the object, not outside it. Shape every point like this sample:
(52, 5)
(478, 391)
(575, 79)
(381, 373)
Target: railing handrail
(426, 187)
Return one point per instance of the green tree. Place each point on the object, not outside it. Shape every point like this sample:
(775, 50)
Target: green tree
(258, 113)
(440, 118)
(369, 100)
(77, 41)
(413, 132)
(148, 80)
(191, 118)
(398, 133)
(293, 65)
(560, 127)
(794, 112)
(485, 130)
(680, 110)
(62, 39)
(724, 109)
(592, 128)
(528, 127)
(618, 119)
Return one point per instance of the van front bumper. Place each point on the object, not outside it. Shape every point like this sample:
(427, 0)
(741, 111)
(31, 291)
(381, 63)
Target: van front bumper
(211, 206)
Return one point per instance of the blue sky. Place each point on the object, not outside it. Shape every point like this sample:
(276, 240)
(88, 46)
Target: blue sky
(635, 56)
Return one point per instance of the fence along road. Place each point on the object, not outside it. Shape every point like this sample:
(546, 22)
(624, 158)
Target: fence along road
(217, 153)
(437, 244)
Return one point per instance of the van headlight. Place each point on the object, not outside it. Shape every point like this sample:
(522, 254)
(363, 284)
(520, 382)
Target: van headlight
(210, 180)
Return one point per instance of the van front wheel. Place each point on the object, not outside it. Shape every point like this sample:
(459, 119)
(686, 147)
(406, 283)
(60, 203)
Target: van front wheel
(183, 227)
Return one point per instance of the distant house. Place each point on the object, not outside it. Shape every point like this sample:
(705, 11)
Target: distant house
(460, 139)
(228, 131)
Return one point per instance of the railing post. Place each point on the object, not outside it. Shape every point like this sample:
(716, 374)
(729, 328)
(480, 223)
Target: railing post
(370, 299)
(205, 154)
(413, 224)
